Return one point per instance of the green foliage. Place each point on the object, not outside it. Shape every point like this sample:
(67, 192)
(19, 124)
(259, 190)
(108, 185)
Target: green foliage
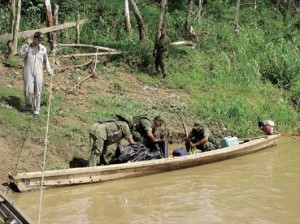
(13, 63)
(115, 105)
(229, 77)
(280, 64)
(295, 94)
(4, 20)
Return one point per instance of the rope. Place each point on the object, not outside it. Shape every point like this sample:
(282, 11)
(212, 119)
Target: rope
(22, 146)
(45, 150)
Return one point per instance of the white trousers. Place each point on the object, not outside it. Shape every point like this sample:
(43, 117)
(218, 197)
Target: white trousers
(32, 90)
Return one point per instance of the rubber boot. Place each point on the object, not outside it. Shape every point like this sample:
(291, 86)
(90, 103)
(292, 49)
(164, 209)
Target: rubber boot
(165, 75)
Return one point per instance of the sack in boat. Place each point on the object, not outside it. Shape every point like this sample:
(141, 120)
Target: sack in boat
(180, 152)
(136, 152)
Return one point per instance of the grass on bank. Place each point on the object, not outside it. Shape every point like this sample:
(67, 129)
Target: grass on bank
(231, 79)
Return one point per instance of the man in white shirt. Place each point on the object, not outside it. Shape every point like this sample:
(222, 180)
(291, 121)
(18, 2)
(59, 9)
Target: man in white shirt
(34, 55)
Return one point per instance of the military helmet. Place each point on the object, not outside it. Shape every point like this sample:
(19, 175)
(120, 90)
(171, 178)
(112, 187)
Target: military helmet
(198, 124)
(127, 119)
(159, 118)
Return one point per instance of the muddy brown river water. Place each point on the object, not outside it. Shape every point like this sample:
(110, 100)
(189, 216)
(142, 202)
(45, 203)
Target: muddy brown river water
(263, 187)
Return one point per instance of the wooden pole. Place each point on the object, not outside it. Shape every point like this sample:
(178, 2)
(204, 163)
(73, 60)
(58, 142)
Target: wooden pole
(183, 125)
(7, 37)
(76, 66)
(88, 45)
(89, 76)
(187, 43)
(15, 34)
(89, 54)
(77, 28)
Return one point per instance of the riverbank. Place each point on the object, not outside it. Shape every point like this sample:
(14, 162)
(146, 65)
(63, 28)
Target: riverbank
(228, 80)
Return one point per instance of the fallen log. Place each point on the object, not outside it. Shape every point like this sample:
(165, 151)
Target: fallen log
(88, 54)
(87, 45)
(6, 37)
(187, 43)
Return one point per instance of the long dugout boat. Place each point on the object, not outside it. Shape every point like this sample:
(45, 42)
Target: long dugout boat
(75, 176)
(10, 213)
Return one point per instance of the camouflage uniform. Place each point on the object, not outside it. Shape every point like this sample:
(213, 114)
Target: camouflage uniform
(196, 136)
(140, 127)
(104, 139)
(160, 53)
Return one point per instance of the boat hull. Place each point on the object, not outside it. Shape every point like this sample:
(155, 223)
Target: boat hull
(10, 213)
(67, 177)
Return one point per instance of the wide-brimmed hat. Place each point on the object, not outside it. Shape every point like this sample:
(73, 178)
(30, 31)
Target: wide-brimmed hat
(159, 118)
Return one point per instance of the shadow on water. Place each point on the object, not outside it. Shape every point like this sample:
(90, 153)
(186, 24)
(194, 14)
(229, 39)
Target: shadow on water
(12, 101)
(78, 162)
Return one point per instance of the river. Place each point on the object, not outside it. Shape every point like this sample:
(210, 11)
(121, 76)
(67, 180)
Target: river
(263, 187)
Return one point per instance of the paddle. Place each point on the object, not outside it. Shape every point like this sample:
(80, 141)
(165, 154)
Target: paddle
(184, 126)
(287, 135)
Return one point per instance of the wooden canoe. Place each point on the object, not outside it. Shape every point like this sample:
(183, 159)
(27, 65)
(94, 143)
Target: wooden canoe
(56, 178)
(10, 213)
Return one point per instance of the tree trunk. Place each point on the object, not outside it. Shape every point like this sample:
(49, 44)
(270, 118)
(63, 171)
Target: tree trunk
(55, 14)
(55, 23)
(49, 21)
(77, 28)
(278, 3)
(200, 7)
(139, 19)
(256, 2)
(163, 5)
(12, 8)
(127, 17)
(188, 15)
(14, 45)
(237, 15)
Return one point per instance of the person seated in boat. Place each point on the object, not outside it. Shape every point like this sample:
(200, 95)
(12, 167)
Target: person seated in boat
(201, 138)
(267, 127)
(105, 137)
(148, 131)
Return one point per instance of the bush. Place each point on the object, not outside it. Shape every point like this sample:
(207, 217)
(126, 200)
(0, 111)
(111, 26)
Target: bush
(295, 95)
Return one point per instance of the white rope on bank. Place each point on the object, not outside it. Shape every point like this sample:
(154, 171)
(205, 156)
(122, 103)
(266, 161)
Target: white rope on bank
(45, 151)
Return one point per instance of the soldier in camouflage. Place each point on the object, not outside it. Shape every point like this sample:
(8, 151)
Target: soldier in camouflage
(148, 131)
(201, 138)
(105, 137)
(160, 52)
